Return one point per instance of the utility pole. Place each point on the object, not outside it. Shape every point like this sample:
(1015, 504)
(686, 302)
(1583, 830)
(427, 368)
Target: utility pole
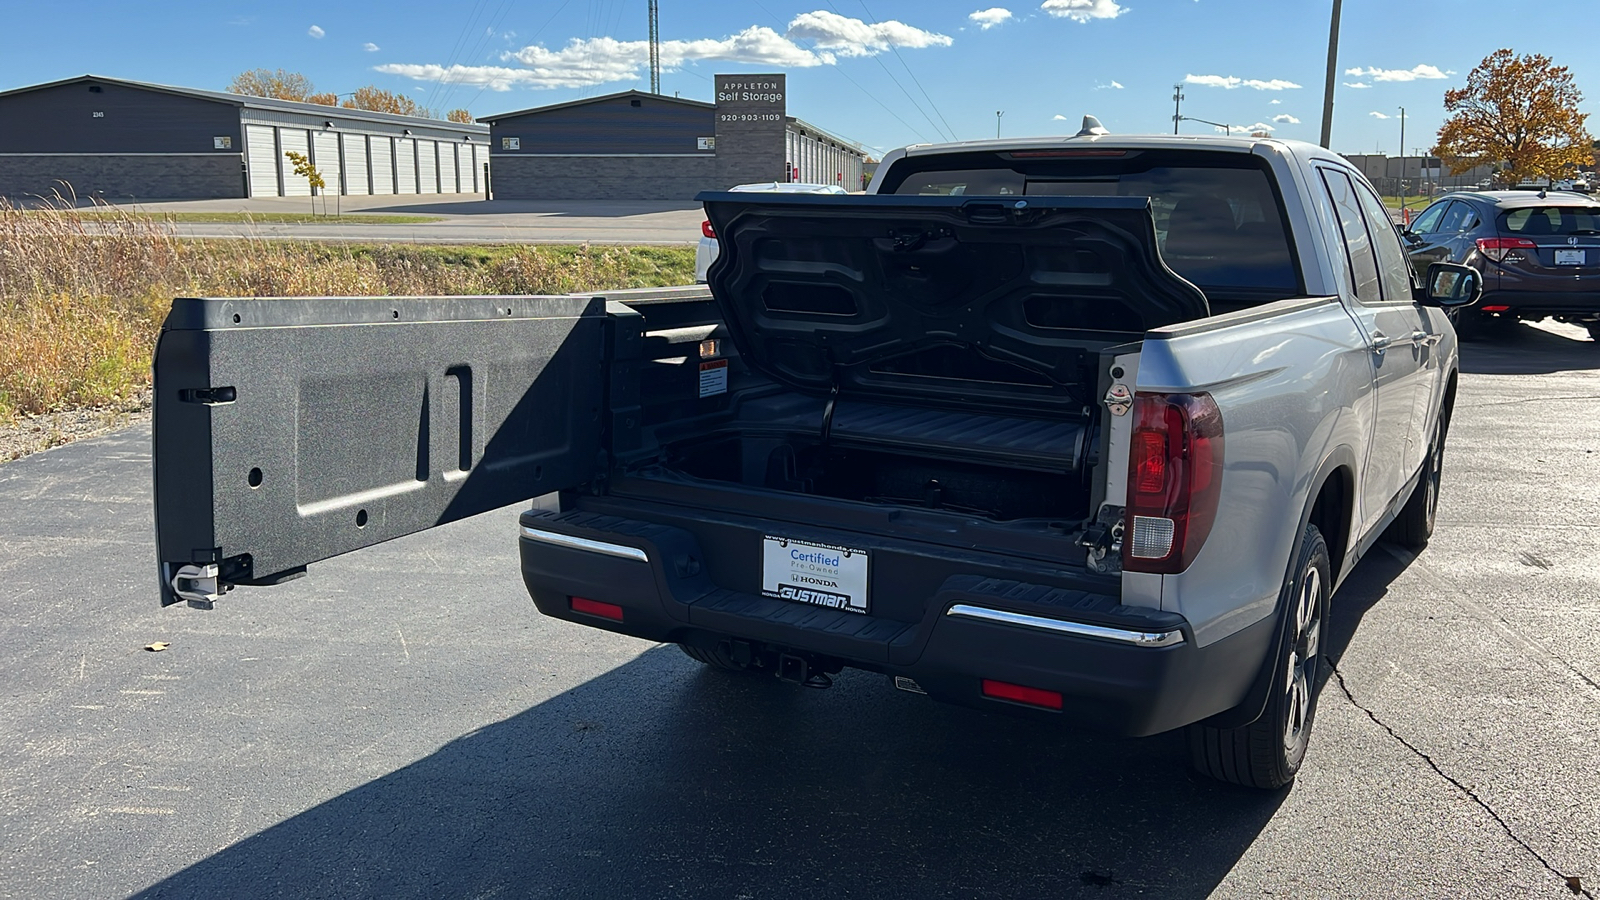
(1333, 74)
(655, 50)
(1177, 106)
(1402, 156)
(997, 114)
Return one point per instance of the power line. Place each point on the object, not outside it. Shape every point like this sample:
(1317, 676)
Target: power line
(914, 79)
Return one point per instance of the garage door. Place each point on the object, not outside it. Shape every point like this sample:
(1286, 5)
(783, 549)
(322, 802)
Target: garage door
(405, 165)
(327, 159)
(447, 168)
(382, 164)
(427, 167)
(355, 164)
(464, 169)
(293, 140)
(261, 147)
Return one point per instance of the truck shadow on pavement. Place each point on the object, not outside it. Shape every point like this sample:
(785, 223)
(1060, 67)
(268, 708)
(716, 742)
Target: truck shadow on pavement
(660, 778)
(1522, 349)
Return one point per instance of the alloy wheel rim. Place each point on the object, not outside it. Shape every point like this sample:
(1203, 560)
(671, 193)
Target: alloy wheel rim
(1302, 662)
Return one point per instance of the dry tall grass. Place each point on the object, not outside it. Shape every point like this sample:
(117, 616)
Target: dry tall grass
(82, 297)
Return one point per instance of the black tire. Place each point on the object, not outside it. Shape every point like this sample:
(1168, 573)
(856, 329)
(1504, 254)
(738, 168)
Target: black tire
(1594, 330)
(1267, 753)
(716, 659)
(1414, 526)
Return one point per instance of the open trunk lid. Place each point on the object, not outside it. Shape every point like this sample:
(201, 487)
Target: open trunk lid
(992, 300)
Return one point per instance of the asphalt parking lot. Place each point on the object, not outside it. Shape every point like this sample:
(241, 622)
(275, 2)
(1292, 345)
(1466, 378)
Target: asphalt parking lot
(401, 723)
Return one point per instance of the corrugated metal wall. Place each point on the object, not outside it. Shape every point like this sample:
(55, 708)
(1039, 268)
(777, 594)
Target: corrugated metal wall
(354, 157)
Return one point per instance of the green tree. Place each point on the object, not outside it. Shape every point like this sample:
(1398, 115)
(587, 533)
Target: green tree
(278, 85)
(304, 168)
(1517, 112)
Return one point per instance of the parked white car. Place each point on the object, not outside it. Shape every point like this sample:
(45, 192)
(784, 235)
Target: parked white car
(706, 253)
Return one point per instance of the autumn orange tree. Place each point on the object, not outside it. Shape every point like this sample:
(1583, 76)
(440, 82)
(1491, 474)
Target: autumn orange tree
(278, 85)
(376, 99)
(460, 116)
(1517, 112)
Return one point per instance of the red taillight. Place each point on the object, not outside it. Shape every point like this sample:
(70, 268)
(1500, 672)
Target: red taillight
(705, 229)
(1017, 693)
(1174, 480)
(596, 608)
(1499, 247)
(1494, 308)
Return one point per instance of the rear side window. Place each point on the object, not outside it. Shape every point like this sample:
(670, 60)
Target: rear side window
(1461, 218)
(1218, 218)
(1428, 222)
(1386, 242)
(1357, 244)
(1532, 221)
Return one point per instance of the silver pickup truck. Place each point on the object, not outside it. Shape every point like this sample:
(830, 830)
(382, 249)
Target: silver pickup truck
(1082, 428)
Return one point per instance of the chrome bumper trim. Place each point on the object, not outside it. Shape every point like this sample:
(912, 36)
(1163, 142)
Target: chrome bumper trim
(578, 543)
(1079, 629)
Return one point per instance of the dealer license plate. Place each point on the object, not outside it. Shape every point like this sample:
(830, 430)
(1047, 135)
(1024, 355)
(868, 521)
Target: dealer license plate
(1569, 257)
(819, 574)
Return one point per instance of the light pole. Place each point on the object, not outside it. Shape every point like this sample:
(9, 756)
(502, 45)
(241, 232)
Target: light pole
(1226, 129)
(1333, 73)
(1403, 204)
(997, 114)
(1177, 106)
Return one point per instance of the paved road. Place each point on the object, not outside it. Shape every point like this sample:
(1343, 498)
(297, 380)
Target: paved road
(466, 218)
(402, 724)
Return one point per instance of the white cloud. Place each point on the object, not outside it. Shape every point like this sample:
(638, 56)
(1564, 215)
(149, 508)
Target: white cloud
(316, 31)
(1060, 118)
(1113, 86)
(1411, 74)
(1286, 119)
(853, 37)
(1083, 10)
(370, 47)
(1377, 115)
(584, 62)
(989, 18)
(1274, 102)
(1245, 129)
(1230, 82)
(1358, 85)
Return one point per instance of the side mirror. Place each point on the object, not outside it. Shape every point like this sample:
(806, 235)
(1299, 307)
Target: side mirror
(1452, 286)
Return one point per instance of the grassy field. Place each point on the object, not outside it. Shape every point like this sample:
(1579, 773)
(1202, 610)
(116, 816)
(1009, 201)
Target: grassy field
(244, 218)
(82, 294)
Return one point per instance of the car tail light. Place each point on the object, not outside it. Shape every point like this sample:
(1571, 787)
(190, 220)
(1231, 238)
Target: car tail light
(1016, 693)
(1494, 308)
(705, 229)
(1174, 480)
(596, 608)
(1497, 248)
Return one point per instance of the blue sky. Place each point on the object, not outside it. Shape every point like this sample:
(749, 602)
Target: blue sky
(881, 72)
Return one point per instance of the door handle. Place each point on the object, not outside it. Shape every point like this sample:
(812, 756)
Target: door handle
(1381, 342)
(1428, 338)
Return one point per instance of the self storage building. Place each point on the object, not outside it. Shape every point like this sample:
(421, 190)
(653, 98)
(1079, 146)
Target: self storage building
(635, 145)
(119, 139)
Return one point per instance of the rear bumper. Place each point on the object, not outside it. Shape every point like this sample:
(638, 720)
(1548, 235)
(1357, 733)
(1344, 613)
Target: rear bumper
(1534, 304)
(1125, 670)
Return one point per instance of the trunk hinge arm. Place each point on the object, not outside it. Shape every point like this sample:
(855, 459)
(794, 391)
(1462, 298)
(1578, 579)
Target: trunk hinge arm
(827, 410)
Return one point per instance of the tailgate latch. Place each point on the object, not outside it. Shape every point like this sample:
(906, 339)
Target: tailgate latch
(200, 586)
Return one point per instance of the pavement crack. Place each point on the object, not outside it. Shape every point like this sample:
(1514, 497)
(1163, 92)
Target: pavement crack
(1567, 880)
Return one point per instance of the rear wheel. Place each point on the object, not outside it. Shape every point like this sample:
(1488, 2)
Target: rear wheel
(719, 658)
(1267, 753)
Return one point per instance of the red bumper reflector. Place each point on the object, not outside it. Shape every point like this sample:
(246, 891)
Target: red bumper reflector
(1494, 308)
(1016, 693)
(596, 608)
